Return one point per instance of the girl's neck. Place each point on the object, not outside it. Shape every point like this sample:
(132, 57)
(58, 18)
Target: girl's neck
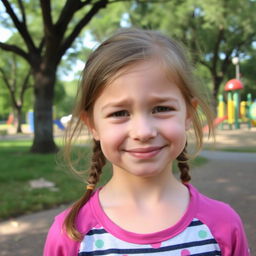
(139, 190)
(133, 205)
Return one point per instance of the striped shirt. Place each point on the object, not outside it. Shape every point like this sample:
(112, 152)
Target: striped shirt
(196, 239)
(208, 228)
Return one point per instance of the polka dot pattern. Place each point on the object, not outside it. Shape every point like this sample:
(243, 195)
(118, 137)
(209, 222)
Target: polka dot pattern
(101, 240)
(202, 234)
(185, 253)
(156, 245)
(99, 243)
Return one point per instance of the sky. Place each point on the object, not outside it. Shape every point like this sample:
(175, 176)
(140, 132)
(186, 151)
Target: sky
(4, 34)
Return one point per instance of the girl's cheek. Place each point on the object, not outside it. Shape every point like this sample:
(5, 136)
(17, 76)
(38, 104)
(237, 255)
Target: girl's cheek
(113, 134)
(175, 133)
(174, 128)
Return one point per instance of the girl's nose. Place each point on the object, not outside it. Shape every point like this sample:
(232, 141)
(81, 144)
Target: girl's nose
(142, 129)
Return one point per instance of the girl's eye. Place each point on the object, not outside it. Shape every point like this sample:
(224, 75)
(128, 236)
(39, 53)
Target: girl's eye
(121, 113)
(158, 109)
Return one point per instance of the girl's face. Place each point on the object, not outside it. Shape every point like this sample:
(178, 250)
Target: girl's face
(141, 120)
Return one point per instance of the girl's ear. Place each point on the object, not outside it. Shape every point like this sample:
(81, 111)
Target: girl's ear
(89, 123)
(191, 110)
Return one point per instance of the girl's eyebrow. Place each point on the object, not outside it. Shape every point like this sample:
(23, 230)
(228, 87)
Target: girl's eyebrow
(153, 99)
(119, 103)
(162, 99)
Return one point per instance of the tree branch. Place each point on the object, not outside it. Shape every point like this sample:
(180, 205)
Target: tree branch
(204, 63)
(41, 45)
(21, 27)
(80, 25)
(14, 72)
(216, 48)
(25, 85)
(11, 13)
(226, 62)
(2, 71)
(71, 6)
(15, 49)
(47, 18)
(9, 87)
(22, 11)
(141, 1)
(87, 2)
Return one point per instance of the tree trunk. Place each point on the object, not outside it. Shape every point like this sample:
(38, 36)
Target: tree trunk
(43, 113)
(217, 80)
(19, 120)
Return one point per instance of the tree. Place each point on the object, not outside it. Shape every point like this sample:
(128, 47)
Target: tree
(214, 31)
(62, 22)
(247, 68)
(16, 77)
(5, 107)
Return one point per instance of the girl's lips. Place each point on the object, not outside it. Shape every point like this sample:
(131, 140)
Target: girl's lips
(144, 153)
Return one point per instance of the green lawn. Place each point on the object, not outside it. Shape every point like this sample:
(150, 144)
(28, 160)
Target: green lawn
(18, 167)
(240, 149)
(231, 149)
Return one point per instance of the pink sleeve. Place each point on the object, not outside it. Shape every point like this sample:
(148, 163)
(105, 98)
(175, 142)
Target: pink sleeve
(239, 241)
(57, 242)
(226, 227)
(231, 236)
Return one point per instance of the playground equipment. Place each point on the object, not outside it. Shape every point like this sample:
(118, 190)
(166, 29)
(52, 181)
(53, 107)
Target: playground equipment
(235, 112)
(252, 113)
(30, 118)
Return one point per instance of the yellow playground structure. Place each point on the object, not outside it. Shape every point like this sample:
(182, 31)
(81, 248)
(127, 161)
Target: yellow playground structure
(234, 112)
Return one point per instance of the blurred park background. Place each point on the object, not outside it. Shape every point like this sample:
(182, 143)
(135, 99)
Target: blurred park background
(43, 48)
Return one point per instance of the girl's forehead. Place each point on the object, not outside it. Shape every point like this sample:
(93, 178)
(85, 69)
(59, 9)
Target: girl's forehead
(145, 80)
(155, 66)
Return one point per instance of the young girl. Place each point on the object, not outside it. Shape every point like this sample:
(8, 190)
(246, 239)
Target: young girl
(138, 99)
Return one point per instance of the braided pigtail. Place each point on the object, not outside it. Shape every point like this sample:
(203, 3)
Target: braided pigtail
(183, 166)
(97, 163)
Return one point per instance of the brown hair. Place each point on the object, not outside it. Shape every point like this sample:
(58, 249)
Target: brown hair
(125, 48)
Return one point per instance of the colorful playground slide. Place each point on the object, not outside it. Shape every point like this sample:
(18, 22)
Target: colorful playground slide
(216, 122)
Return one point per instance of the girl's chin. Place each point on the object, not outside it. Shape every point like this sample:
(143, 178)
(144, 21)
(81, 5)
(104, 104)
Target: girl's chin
(144, 173)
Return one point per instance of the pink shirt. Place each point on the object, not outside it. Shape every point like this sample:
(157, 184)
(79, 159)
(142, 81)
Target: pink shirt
(208, 227)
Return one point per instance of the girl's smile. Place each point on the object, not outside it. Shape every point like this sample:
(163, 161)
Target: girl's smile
(145, 153)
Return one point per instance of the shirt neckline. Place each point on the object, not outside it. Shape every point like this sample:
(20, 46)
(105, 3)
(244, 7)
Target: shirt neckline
(150, 238)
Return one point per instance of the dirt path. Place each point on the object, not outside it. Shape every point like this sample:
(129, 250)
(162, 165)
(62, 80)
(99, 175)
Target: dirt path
(24, 236)
(244, 138)
(230, 177)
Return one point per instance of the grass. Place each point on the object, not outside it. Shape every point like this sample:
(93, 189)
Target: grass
(4, 126)
(232, 149)
(241, 149)
(18, 167)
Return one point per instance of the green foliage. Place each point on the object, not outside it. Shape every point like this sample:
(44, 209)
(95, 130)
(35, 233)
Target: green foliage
(66, 101)
(5, 107)
(107, 21)
(33, 21)
(214, 30)
(15, 69)
(249, 76)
